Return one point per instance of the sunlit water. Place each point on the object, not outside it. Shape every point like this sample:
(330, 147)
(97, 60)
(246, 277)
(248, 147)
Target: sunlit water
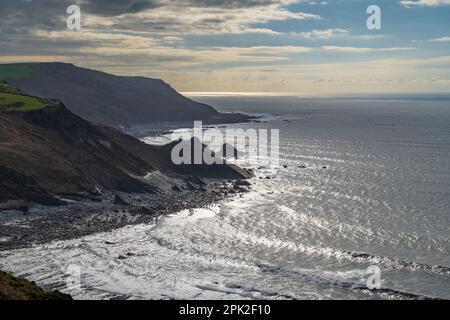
(385, 193)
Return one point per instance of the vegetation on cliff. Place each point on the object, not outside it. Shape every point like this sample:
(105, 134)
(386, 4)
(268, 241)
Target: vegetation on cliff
(12, 288)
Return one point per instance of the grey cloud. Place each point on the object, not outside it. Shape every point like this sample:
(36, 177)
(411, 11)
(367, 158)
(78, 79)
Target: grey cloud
(118, 7)
(51, 14)
(232, 3)
(38, 27)
(41, 14)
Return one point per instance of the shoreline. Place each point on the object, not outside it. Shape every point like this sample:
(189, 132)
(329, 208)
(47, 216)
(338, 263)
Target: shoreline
(43, 224)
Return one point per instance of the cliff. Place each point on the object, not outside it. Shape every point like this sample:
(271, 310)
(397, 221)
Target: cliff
(121, 102)
(47, 150)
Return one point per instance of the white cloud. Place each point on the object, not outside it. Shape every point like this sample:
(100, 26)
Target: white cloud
(364, 50)
(323, 34)
(368, 37)
(443, 39)
(172, 39)
(425, 3)
(317, 3)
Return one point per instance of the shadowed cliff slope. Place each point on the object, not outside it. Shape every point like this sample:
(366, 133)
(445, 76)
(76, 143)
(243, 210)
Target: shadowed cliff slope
(102, 98)
(50, 150)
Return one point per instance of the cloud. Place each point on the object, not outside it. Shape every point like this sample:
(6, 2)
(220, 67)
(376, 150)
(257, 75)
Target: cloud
(364, 49)
(323, 34)
(174, 18)
(317, 3)
(18, 58)
(178, 40)
(380, 75)
(86, 38)
(326, 34)
(368, 37)
(172, 40)
(425, 3)
(167, 17)
(313, 3)
(137, 48)
(117, 7)
(443, 39)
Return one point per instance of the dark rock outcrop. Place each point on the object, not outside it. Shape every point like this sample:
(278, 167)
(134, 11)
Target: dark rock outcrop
(218, 170)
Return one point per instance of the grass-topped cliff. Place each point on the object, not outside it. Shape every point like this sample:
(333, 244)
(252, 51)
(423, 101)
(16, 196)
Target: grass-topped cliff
(12, 99)
(12, 288)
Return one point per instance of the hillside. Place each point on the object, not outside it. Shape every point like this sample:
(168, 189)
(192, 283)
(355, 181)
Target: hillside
(122, 102)
(50, 151)
(12, 288)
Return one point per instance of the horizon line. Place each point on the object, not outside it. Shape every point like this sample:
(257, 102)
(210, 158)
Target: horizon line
(305, 95)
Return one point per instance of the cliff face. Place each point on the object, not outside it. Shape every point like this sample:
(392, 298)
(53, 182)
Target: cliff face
(51, 151)
(102, 98)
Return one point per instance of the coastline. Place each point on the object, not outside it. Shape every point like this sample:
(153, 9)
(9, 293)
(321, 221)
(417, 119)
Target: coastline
(44, 224)
(162, 128)
(86, 214)
(86, 217)
(89, 214)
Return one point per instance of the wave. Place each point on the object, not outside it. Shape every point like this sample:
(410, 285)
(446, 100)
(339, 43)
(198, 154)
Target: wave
(353, 256)
(399, 263)
(328, 281)
(245, 292)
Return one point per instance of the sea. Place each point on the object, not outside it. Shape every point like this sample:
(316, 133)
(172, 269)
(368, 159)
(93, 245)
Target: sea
(361, 197)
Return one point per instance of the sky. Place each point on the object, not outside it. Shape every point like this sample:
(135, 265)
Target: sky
(259, 46)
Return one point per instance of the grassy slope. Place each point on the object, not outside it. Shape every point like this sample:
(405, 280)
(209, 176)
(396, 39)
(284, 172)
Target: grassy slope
(8, 88)
(12, 288)
(19, 102)
(15, 71)
(12, 98)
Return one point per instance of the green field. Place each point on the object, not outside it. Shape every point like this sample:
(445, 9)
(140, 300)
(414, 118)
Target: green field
(14, 71)
(18, 102)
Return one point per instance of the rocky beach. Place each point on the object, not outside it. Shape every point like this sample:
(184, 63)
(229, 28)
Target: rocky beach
(81, 217)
